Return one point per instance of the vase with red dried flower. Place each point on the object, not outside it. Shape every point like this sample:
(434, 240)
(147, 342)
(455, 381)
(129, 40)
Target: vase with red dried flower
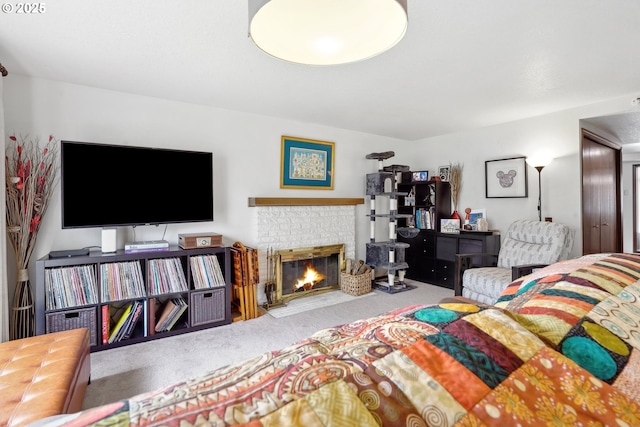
(31, 174)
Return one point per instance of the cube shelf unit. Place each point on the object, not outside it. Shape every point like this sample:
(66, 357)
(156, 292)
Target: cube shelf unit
(89, 304)
(431, 203)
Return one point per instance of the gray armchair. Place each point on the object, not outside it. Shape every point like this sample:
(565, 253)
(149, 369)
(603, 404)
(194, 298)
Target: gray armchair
(526, 245)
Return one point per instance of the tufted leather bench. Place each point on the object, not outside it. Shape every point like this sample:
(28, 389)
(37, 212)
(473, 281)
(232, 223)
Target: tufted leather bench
(43, 376)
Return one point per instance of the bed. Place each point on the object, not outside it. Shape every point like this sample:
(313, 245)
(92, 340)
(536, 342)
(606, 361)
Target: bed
(559, 348)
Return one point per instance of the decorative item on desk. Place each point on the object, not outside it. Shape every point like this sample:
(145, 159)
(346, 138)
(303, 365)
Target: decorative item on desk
(31, 174)
(455, 181)
(450, 225)
(467, 219)
(420, 176)
(474, 216)
(443, 173)
(410, 199)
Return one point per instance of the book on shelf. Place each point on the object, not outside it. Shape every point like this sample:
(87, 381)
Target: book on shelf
(425, 219)
(121, 320)
(166, 276)
(126, 321)
(170, 314)
(146, 245)
(70, 287)
(106, 323)
(182, 304)
(132, 321)
(206, 272)
(169, 306)
(138, 250)
(121, 280)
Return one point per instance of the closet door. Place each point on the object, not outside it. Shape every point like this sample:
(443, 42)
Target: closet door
(601, 206)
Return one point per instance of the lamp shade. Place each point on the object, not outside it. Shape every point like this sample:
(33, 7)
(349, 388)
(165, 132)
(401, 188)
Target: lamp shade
(539, 160)
(326, 32)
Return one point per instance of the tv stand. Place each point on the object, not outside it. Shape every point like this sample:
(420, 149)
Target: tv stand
(96, 291)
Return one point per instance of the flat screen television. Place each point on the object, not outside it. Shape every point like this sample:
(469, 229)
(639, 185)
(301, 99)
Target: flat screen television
(106, 185)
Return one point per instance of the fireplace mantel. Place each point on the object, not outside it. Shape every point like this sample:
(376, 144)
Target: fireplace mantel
(304, 201)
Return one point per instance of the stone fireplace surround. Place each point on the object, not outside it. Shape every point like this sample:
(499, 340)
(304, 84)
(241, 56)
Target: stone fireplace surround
(289, 223)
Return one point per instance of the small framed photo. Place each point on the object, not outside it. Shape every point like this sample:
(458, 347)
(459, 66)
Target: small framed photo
(450, 225)
(306, 164)
(475, 214)
(506, 178)
(420, 176)
(443, 172)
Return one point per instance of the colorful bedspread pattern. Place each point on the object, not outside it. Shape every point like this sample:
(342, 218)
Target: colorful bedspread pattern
(560, 350)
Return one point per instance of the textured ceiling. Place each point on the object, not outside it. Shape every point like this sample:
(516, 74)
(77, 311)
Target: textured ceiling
(462, 64)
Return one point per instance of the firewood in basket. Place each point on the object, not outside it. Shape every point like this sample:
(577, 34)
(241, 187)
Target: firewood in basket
(357, 266)
(362, 269)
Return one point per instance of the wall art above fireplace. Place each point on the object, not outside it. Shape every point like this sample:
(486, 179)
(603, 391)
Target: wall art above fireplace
(306, 164)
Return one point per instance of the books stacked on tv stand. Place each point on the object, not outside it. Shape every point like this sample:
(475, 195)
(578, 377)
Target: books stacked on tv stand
(146, 246)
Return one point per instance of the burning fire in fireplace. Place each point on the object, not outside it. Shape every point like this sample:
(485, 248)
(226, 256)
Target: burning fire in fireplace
(309, 280)
(302, 272)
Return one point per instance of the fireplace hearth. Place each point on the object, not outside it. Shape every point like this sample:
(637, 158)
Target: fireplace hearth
(303, 272)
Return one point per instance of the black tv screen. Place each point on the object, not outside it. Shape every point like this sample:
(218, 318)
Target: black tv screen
(112, 185)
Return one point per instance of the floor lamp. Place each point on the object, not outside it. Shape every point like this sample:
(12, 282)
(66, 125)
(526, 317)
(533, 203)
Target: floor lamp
(539, 163)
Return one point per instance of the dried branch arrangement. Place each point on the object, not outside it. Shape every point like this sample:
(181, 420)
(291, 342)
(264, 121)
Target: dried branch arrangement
(31, 174)
(455, 180)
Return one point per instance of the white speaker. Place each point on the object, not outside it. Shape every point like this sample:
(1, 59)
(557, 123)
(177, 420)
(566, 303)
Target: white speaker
(108, 240)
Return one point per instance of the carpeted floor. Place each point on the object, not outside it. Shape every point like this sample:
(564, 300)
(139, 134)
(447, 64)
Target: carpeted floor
(126, 371)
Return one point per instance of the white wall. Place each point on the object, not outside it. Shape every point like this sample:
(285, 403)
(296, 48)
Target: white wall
(247, 156)
(246, 151)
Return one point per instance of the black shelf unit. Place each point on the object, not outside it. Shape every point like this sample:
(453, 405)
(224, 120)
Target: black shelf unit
(207, 307)
(432, 255)
(430, 196)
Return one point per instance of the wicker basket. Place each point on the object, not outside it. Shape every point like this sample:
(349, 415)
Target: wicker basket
(207, 306)
(72, 319)
(355, 284)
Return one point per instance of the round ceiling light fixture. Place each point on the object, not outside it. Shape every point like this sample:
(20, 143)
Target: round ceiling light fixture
(326, 32)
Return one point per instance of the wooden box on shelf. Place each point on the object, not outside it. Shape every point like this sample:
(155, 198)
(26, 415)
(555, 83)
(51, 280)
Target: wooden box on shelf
(199, 240)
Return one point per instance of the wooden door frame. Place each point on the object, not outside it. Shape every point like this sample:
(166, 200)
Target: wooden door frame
(586, 134)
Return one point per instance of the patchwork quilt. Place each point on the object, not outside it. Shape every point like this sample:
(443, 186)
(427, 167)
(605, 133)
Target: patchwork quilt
(560, 348)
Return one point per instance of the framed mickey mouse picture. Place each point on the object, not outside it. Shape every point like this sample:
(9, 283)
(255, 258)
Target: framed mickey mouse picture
(506, 177)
